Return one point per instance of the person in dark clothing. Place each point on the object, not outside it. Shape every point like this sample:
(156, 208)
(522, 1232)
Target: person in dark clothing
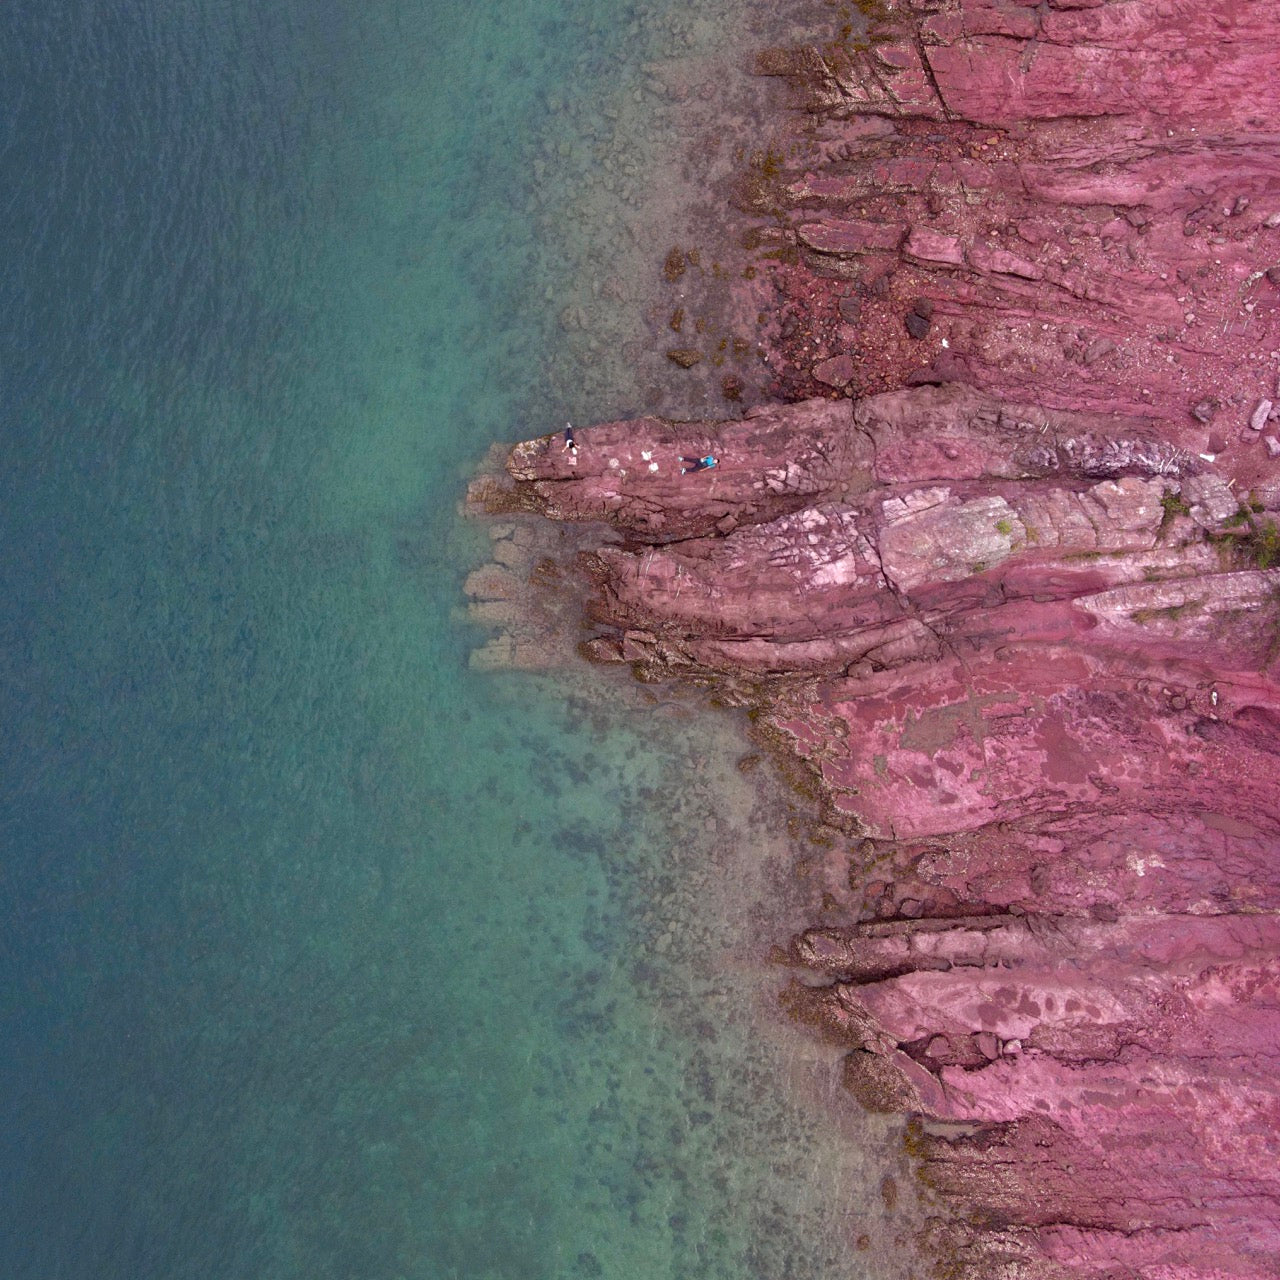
(698, 464)
(570, 443)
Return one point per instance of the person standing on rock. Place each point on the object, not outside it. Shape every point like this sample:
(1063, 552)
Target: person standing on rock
(698, 464)
(570, 442)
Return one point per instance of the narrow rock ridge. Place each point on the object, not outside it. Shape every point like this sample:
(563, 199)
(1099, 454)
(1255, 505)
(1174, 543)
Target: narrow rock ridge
(1004, 574)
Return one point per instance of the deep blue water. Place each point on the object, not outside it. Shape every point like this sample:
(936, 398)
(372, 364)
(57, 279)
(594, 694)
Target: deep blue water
(322, 955)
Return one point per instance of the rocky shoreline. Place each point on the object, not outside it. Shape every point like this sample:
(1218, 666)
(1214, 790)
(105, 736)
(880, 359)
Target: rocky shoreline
(999, 566)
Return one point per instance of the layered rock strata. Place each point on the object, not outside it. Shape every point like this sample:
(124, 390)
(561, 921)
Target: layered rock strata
(1003, 572)
(1027, 656)
(1074, 202)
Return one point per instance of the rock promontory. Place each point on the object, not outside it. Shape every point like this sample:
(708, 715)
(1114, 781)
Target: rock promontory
(999, 565)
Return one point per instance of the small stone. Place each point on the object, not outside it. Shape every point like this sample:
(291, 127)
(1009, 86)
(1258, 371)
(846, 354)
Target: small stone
(1204, 410)
(1273, 275)
(911, 908)
(836, 372)
(1098, 348)
(851, 309)
(1273, 446)
(987, 1045)
(917, 325)
(1261, 413)
(685, 357)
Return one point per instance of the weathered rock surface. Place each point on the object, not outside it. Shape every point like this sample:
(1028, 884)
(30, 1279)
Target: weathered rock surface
(1088, 193)
(1007, 579)
(1027, 654)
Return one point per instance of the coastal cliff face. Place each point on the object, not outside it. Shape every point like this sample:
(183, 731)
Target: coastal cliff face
(1002, 569)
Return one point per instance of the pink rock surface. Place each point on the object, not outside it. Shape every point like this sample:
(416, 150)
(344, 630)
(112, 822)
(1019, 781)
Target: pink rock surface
(1089, 195)
(1010, 591)
(1040, 704)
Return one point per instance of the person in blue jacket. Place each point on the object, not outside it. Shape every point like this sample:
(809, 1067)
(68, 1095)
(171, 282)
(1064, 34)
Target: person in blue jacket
(698, 464)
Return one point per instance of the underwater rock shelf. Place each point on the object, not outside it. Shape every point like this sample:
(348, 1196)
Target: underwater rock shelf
(1001, 569)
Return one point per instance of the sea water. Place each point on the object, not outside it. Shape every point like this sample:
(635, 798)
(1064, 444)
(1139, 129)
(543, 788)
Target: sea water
(323, 954)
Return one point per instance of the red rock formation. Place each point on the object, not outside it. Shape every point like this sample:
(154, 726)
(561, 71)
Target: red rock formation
(1028, 653)
(1021, 618)
(1082, 198)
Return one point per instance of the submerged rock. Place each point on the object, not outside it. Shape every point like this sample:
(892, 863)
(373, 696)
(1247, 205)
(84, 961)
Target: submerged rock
(685, 357)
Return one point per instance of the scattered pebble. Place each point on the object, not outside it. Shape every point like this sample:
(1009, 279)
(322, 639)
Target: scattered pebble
(917, 325)
(1098, 348)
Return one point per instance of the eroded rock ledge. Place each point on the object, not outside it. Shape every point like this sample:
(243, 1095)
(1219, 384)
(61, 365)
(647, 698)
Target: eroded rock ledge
(1018, 613)
(1028, 656)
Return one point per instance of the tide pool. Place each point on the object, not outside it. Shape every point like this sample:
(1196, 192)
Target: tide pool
(324, 956)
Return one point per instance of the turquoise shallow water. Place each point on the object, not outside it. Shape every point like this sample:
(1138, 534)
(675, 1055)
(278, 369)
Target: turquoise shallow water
(322, 955)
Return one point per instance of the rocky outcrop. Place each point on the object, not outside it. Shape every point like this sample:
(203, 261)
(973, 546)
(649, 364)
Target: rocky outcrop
(1004, 574)
(1085, 197)
(1027, 656)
